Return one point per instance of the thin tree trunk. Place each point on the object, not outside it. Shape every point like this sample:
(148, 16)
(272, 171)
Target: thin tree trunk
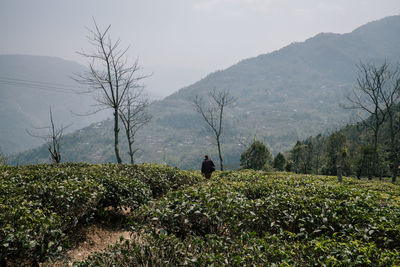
(131, 155)
(131, 150)
(130, 143)
(395, 155)
(317, 166)
(360, 168)
(220, 154)
(395, 163)
(395, 168)
(375, 155)
(116, 131)
(359, 173)
(339, 164)
(339, 173)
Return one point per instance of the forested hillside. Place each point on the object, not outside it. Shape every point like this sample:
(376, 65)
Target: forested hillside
(351, 149)
(282, 97)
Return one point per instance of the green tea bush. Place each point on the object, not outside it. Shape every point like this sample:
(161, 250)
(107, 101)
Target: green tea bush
(161, 179)
(245, 250)
(37, 209)
(41, 205)
(256, 218)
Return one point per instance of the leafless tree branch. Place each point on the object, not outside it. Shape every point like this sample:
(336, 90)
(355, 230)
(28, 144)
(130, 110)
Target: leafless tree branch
(133, 114)
(367, 96)
(110, 77)
(53, 138)
(212, 113)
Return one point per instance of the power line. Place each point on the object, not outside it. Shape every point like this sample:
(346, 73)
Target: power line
(38, 82)
(32, 86)
(45, 86)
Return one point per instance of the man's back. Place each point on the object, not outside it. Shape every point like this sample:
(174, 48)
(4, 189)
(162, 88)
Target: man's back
(207, 166)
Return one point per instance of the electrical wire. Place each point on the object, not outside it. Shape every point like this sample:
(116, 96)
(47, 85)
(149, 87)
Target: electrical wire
(45, 86)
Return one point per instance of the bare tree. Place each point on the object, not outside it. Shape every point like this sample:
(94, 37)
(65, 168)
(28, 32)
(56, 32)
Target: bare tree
(212, 113)
(367, 98)
(134, 116)
(110, 77)
(52, 138)
(390, 96)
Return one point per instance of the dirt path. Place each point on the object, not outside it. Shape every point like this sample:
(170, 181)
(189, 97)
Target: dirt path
(96, 240)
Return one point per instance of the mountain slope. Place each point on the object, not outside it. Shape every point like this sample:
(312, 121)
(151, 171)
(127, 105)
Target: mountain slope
(282, 96)
(29, 85)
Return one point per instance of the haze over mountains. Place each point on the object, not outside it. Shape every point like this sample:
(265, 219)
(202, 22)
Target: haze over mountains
(282, 96)
(29, 85)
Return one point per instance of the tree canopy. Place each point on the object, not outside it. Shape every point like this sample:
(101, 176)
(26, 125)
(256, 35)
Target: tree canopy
(255, 157)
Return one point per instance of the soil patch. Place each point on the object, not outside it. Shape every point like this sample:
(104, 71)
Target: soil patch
(96, 238)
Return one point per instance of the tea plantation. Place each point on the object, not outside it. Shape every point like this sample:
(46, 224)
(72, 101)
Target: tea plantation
(238, 218)
(42, 205)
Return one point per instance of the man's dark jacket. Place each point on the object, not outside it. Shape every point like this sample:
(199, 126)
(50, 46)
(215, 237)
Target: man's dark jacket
(207, 166)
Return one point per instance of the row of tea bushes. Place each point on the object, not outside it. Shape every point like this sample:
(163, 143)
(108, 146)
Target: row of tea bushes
(255, 218)
(40, 205)
(245, 250)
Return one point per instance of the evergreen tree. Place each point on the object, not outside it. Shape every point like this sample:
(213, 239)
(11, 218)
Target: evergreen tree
(295, 156)
(364, 161)
(336, 155)
(289, 166)
(307, 156)
(255, 157)
(319, 145)
(279, 162)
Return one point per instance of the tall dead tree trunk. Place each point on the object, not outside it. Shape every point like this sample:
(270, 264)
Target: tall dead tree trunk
(110, 77)
(213, 114)
(116, 139)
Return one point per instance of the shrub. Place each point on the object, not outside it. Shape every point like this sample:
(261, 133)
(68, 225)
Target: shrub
(256, 157)
(42, 205)
(38, 208)
(256, 218)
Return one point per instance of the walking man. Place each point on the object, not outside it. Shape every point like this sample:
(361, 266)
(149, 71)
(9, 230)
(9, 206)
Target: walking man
(207, 167)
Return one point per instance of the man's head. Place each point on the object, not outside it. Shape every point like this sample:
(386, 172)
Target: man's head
(206, 156)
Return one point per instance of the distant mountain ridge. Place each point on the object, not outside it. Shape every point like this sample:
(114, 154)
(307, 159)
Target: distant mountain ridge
(29, 85)
(283, 96)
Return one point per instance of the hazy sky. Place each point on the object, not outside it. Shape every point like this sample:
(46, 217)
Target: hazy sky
(179, 41)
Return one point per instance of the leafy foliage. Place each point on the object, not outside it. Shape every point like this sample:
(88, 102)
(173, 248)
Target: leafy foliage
(349, 148)
(254, 218)
(279, 162)
(41, 205)
(255, 157)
